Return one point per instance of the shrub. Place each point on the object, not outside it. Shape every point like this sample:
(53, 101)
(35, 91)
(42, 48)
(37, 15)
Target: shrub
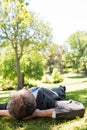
(56, 76)
(7, 85)
(29, 85)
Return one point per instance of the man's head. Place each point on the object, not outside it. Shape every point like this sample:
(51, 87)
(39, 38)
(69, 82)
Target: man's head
(21, 104)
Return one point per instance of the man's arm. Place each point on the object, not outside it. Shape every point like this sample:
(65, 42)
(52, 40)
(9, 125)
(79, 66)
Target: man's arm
(42, 113)
(5, 113)
(36, 113)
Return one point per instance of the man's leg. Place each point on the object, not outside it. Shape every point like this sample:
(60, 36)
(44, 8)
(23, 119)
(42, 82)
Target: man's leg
(60, 92)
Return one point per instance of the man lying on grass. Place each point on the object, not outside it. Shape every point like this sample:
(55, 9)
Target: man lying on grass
(41, 102)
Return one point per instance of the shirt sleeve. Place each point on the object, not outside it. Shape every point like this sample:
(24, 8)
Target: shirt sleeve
(3, 106)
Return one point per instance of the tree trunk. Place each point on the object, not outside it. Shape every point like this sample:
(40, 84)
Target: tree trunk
(18, 72)
(19, 76)
(23, 79)
(85, 69)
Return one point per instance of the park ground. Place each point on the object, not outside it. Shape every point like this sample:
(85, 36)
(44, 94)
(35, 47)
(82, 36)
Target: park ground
(76, 88)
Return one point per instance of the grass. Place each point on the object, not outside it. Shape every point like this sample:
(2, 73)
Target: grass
(48, 123)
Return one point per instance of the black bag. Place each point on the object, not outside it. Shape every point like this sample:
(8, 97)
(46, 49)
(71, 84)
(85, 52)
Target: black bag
(69, 109)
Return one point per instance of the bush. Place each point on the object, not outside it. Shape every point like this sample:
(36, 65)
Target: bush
(7, 85)
(29, 85)
(56, 76)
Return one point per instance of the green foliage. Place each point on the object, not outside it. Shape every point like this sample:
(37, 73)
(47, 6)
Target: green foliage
(7, 85)
(77, 40)
(83, 63)
(8, 68)
(78, 45)
(8, 73)
(67, 70)
(34, 66)
(54, 57)
(29, 85)
(23, 31)
(56, 76)
(31, 65)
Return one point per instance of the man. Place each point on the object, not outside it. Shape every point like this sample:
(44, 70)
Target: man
(41, 102)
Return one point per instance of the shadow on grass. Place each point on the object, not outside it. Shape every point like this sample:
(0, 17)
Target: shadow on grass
(5, 92)
(77, 77)
(33, 124)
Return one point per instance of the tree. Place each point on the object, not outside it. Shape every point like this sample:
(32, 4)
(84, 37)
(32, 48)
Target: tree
(83, 62)
(78, 44)
(20, 29)
(54, 57)
(31, 66)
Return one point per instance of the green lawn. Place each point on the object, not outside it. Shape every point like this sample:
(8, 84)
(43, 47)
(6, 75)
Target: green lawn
(47, 123)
